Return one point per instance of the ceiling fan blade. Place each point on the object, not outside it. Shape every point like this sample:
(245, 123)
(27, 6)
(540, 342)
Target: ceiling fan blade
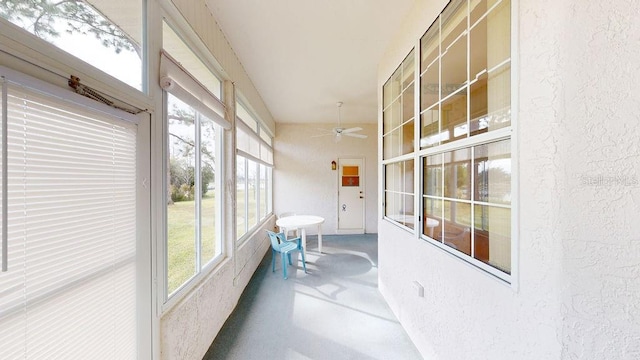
(349, 130)
(361, 136)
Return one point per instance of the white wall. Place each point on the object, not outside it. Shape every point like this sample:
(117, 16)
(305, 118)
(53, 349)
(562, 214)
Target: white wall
(303, 179)
(578, 293)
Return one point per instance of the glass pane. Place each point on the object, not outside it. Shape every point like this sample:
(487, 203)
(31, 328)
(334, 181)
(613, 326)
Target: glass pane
(433, 218)
(390, 205)
(454, 67)
(457, 174)
(433, 175)
(457, 224)
(392, 174)
(386, 94)
(493, 172)
(387, 145)
(252, 195)
(408, 98)
(492, 236)
(408, 70)
(269, 190)
(430, 46)
(181, 211)
(208, 214)
(263, 191)
(430, 86)
(499, 34)
(103, 33)
(396, 114)
(479, 121)
(407, 138)
(241, 197)
(454, 21)
(408, 182)
(387, 117)
(395, 84)
(408, 218)
(478, 49)
(499, 97)
(454, 117)
(430, 135)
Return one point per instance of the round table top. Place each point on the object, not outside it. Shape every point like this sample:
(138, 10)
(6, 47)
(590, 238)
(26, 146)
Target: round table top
(295, 221)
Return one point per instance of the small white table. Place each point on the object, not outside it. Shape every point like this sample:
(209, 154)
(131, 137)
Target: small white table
(301, 222)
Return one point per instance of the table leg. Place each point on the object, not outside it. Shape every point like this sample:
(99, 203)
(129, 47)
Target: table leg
(320, 238)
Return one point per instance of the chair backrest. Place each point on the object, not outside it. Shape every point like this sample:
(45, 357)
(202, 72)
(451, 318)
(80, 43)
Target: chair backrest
(276, 239)
(286, 214)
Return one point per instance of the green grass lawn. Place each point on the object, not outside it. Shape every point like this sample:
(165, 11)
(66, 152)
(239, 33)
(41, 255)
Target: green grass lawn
(181, 234)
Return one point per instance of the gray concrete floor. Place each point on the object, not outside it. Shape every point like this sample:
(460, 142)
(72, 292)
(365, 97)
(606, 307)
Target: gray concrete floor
(335, 311)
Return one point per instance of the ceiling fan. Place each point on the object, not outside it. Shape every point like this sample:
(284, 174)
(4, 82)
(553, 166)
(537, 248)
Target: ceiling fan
(338, 132)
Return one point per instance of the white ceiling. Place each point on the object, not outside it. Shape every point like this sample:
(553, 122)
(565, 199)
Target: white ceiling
(304, 56)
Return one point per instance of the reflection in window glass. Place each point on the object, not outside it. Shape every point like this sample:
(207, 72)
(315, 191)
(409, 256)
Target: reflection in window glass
(399, 111)
(103, 33)
(477, 185)
(485, 91)
(399, 188)
(457, 221)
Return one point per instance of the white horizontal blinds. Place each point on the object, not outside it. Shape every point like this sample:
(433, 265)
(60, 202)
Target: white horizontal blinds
(177, 81)
(72, 232)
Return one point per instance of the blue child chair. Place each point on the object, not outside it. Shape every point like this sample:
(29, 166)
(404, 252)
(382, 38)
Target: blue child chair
(280, 244)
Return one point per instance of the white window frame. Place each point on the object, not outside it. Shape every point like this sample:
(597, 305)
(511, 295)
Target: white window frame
(250, 125)
(175, 79)
(509, 132)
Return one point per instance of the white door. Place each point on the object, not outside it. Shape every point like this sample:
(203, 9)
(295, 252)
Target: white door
(351, 196)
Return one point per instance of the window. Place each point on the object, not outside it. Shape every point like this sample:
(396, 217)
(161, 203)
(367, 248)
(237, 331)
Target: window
(398, 143)
(465, 92)
(194, 199)
(103, 33)
(465, 140)
(254, 172)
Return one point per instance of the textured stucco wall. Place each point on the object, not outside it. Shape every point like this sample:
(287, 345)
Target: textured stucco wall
(578, 135)
(303, 179)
